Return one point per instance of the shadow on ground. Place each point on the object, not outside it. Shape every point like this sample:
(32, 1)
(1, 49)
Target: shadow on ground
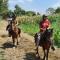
(4, 35)
(31, 56)
(7, 45)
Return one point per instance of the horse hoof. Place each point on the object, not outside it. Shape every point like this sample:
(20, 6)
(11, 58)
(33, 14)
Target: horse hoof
(14, 46)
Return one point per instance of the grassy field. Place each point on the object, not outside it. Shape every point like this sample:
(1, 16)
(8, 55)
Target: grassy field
(30, 25)
(30, 28)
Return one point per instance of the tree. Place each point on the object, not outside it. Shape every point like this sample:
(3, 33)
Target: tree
(38, 13)
(3, 7)
(19, 11)
(30, 13)
(57, 10)
(50, 10)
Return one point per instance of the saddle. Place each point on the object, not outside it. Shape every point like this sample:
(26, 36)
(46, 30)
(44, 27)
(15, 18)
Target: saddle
(43, 38)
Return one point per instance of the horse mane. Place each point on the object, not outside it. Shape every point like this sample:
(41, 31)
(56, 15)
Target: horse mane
(46, 35)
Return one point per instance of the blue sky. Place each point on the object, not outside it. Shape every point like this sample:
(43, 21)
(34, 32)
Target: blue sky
(34, 5)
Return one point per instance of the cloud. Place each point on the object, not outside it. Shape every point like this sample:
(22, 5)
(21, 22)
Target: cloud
(29, 0)
(12, 3)
(19, 1)
(57, 4)
(16, 1)
(23, 1)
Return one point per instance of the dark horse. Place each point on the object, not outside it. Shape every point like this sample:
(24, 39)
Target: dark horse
(44, 41)
(14, 32)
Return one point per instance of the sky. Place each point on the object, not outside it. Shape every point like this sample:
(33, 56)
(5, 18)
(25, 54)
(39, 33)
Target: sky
(34, 5)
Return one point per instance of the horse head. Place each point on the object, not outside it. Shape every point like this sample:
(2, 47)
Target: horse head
(49, 32)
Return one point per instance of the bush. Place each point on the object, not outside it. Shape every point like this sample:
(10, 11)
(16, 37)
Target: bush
(30, 25)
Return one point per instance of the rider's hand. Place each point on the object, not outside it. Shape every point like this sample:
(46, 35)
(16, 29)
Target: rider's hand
(49, 27)
(43, 29)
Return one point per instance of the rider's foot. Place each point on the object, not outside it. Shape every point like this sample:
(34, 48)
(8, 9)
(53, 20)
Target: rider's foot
(53, 48)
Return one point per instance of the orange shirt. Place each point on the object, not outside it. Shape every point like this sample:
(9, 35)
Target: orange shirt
(44, 24)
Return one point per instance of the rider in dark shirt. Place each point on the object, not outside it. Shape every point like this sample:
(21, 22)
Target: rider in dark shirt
(11, 18)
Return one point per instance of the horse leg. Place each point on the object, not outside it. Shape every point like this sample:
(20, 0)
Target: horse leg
(44, 54)
(17, 42)
(19, 31)
(37, 53)
(9, 34)
(47, 54)
(19, 34)
(36, 50)
(13, 41)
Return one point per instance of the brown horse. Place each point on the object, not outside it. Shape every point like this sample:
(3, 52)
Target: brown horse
(14, 32)
(44, 41)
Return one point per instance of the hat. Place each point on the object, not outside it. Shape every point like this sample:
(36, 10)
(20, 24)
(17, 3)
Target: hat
(44, 16)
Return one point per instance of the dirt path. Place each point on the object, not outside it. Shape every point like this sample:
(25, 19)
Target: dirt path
(25, 49)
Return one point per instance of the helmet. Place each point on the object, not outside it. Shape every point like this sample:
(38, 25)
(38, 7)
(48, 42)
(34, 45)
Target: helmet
(44, 16)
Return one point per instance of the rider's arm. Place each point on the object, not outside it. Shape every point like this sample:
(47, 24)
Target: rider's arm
(16, 22)
(42, 29)
(49, 25)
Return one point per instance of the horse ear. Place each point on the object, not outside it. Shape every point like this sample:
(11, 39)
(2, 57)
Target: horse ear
(52, 30)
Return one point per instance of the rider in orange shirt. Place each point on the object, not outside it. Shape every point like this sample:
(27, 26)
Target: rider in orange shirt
(43, 25)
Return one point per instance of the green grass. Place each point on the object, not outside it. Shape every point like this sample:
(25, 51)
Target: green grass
(30, 28)
(33, 27)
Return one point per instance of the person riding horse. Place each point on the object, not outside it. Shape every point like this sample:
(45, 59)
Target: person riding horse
(11, 19)
(43, 25)
(13, 30)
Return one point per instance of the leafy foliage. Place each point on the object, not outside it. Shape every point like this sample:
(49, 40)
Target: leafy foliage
(57, 10)
(26, 24)
(3, 7)
(50, 10)
(19, 11)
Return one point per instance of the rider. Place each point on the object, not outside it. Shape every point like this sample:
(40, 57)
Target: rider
(11, 19)
(43, 25)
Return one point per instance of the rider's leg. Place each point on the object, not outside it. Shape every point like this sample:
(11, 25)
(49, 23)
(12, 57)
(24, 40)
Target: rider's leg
(9, 33)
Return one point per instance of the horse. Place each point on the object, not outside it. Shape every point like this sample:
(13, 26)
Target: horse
(43, 40)
(14, 32)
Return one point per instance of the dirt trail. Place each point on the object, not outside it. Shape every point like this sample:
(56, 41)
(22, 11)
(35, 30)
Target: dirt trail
(25, 49)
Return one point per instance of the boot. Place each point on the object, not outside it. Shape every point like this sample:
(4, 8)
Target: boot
(9, 35)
